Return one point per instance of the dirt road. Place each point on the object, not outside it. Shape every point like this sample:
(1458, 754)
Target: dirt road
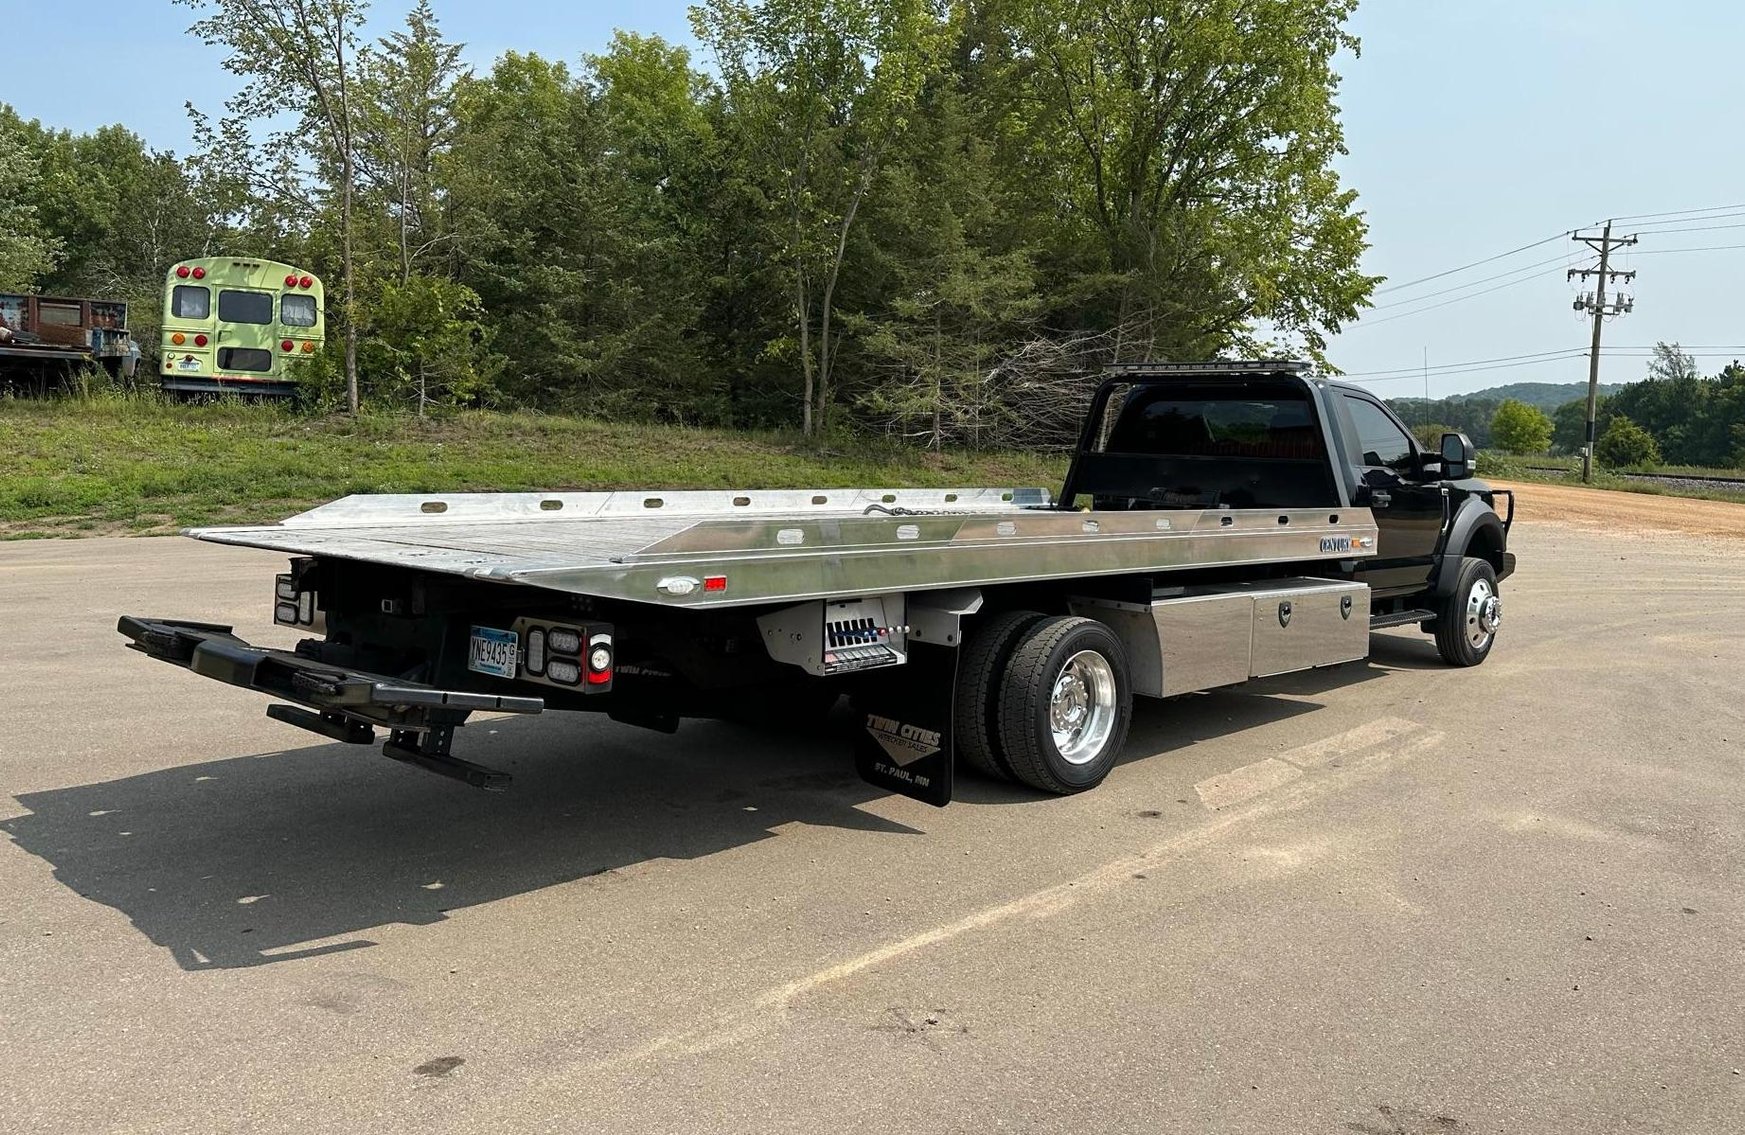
(1625, 513)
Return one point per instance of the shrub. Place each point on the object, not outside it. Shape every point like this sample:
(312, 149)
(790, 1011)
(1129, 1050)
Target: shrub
(1626, 444)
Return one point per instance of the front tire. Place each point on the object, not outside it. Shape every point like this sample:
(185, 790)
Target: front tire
(1065, 705)
(1467, 623)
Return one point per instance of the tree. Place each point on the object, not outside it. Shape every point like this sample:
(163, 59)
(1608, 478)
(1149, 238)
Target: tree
(1429, 435)
(1520, 428)
(1670, 363)
(406, 123)
(1626, 444)
(1188, 147)
(820, 89)
(302, 54)
(26, 251)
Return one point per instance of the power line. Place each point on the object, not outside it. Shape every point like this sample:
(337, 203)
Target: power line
(1466, 363)
(1471, 283)
(1457, 299)
(1474, 264)
(1703, 248)
(1572, 355)
(1678, 212)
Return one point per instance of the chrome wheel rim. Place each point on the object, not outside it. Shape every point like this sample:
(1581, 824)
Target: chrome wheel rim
(1484, 614)
(1081, 708)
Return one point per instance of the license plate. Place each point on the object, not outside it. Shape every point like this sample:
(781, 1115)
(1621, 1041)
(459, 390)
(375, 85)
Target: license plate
(494, 652)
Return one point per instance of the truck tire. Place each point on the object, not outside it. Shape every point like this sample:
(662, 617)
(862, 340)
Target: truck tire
(1065, 704)
(1467, 621)
(975, 727)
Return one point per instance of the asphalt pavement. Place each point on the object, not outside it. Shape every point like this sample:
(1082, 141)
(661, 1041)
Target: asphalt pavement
(1388, 898)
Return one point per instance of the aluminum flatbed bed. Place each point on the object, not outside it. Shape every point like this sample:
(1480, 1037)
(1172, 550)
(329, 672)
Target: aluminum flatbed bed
(778, 546)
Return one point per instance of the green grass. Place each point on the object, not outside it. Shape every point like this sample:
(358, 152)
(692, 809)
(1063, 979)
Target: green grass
(1512, 467)
(114, 465)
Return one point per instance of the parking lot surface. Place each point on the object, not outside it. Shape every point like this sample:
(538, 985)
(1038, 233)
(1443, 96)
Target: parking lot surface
(1388, 898)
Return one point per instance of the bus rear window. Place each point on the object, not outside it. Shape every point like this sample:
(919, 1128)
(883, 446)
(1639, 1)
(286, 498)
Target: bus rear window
(245, 307)
(244, 358)
(297, 311)
(188, 301)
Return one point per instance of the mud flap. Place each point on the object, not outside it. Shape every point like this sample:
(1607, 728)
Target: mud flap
(903, 737)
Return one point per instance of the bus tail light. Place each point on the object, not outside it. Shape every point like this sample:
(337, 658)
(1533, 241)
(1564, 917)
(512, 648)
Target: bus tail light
(199, 273)
(291, 280)
(286, 345)
(182, 271)
(199, 340)
(306, 282)
(178, 338)
(308, 348)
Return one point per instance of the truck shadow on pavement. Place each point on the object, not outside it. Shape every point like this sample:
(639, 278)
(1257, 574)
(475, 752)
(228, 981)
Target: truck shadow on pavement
(259, 859)
(252, 860)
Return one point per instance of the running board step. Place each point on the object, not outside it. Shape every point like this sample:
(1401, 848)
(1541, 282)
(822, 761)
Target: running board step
(1399, 619)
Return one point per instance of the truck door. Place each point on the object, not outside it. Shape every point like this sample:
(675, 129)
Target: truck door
(1408, 511)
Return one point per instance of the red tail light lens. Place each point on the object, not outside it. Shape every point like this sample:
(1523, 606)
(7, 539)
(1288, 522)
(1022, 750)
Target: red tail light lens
(286, 345)
(306, 282)
(291, 281)
(199, 340)
(199, 273)
(182, 271)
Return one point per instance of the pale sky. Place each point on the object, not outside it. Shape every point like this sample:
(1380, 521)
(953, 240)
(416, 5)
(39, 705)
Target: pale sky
(1475, 127)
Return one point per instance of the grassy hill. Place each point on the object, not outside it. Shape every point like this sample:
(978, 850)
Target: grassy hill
(117, 465)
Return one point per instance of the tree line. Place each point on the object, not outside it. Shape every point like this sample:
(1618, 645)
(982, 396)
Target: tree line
(1676, 416)
(932, 218)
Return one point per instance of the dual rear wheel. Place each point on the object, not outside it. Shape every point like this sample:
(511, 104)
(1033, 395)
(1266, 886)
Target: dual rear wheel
(1043, 699)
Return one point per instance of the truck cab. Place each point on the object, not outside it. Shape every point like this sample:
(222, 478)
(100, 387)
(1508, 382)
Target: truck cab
(1269, 434)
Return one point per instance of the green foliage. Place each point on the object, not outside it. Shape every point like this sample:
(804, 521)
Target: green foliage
(923, 218)
(1626, 445)
(26, 250)
(132, 464)
(1519, 428)
(424, 349)
(1429, 435)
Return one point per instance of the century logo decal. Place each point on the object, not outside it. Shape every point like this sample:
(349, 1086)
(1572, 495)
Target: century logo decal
(1335, 543)
(904, 744)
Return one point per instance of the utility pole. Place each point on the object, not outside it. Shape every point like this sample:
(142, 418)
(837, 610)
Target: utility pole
(1595, 301)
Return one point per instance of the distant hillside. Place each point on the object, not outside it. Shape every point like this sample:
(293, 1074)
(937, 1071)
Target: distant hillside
(1548, 396)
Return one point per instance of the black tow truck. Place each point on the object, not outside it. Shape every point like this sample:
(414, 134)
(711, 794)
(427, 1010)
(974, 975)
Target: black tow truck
(1219, 522)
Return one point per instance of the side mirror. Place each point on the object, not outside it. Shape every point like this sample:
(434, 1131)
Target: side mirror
(1457, 455)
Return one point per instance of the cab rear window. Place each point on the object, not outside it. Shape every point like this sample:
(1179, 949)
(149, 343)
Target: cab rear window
(190, 301)
(245, 307)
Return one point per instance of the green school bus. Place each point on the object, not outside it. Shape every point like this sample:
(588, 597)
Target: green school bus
(237, 325)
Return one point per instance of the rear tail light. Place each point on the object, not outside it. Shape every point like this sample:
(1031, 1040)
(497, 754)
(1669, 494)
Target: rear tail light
(286, 345)
(308, 348)
(182, 271)
(306, 282)
(291, 280)
(199, 340)
(178, 338)
(600, 659)
(199, 273)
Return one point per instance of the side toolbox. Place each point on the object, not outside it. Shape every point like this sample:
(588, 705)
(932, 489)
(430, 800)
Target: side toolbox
(1199, 638)
(1303, 623)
